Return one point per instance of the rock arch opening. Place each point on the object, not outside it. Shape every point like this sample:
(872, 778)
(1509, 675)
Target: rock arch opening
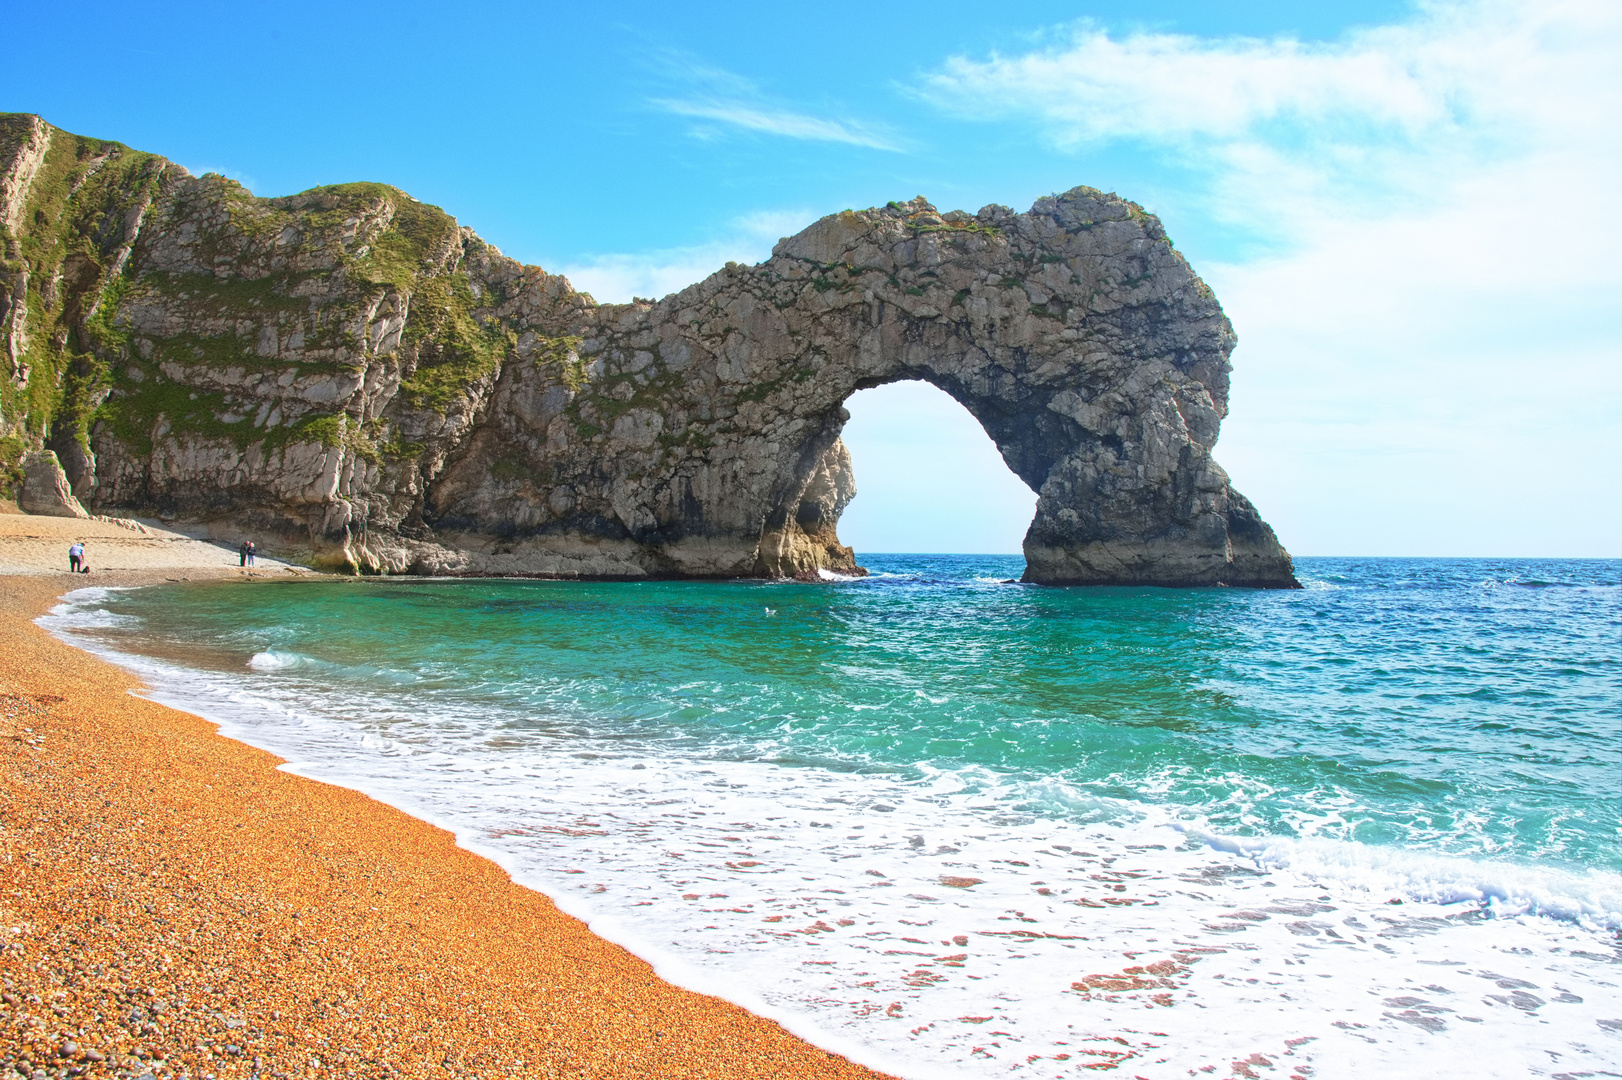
(928, 477)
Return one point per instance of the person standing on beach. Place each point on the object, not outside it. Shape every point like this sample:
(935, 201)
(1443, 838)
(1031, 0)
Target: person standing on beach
(242, 554)
(75, 556)
(250, 548)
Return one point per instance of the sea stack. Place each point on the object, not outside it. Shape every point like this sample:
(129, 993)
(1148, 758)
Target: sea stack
(350, 375)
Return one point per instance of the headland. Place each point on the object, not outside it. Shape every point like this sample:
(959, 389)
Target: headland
(361, 382)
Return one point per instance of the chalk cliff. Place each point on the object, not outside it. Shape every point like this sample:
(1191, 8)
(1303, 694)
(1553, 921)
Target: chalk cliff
(350, 374)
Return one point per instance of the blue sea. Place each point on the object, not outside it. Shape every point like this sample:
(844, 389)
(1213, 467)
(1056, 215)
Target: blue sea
(952, 825)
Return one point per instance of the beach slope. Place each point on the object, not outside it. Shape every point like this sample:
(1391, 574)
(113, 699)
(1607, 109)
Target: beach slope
(172, 902)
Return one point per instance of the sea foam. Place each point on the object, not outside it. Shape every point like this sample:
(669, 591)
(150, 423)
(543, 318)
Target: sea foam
(955, 923)
(272, 660)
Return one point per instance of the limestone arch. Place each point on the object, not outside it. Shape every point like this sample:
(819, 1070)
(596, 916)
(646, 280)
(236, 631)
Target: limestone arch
(699, 436)
(1085, 346)
(353, 373)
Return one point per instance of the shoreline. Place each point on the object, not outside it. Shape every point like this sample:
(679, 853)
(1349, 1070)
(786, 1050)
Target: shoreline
(219, 916)
(1367, 949)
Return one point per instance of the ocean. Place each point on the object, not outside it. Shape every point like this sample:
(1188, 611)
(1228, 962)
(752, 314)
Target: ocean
(951, 825)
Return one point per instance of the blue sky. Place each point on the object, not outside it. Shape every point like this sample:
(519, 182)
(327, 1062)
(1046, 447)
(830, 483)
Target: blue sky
(1409, 210)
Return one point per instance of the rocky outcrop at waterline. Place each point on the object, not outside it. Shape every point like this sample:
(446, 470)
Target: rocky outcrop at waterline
(349, 373)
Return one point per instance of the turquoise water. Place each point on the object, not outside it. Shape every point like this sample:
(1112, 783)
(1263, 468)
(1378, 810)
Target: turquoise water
(1370, 828)
(1471, 707)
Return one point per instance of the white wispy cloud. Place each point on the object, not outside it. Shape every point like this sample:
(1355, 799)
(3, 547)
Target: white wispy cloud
(704, 92)
(615, 278)
(1093, 86)
(1388, 110)
(753, 116)
(1425, 346)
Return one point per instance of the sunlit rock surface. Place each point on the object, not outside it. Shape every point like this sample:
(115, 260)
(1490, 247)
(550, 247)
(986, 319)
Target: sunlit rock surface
(45, 488)
(349, 374)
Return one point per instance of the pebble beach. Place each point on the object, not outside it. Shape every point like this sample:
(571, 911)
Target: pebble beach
(172, 905)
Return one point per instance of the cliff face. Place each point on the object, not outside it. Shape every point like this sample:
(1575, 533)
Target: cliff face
(348, 372)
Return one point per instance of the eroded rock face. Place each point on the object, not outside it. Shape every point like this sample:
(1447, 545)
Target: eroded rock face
(349, 372)
(45, 489)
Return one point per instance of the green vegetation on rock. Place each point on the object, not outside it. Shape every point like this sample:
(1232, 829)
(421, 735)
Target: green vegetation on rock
(136, 414)
(133, 340)
(70, 234)
(454, 349)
